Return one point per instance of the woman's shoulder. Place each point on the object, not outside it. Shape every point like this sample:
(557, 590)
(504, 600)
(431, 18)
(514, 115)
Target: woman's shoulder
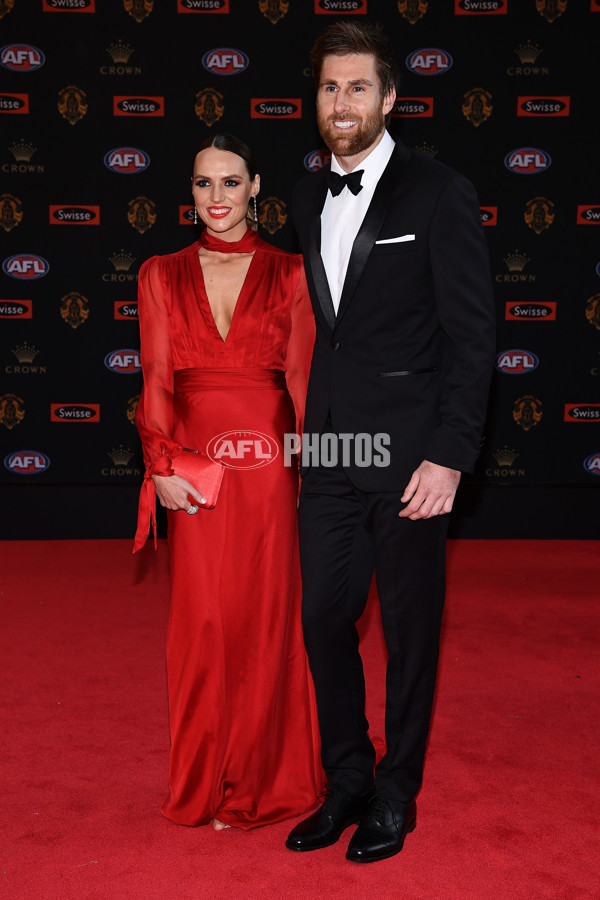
(178, 254)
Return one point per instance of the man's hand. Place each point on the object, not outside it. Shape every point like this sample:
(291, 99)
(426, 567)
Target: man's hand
(430, 491)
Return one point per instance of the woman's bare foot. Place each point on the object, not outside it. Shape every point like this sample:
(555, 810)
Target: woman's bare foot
(219, 826)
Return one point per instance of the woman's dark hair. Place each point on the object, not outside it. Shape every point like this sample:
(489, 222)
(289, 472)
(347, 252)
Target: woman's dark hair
(224, 141)
(365, 38)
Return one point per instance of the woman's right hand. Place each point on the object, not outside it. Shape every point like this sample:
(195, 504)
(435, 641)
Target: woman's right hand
(172, 492)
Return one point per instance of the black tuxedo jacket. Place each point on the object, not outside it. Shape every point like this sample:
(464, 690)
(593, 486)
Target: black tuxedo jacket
(411, 350)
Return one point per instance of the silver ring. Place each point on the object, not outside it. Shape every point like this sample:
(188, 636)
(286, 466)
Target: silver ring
(192, 510)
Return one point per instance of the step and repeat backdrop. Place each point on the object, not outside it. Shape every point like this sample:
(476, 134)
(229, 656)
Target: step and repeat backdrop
(102, 103)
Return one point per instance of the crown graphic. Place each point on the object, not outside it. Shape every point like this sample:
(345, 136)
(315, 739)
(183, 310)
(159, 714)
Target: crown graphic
(528, 52)
(426, 148)
(506, 456)
(25, 352)
(120, 455)
(119, 51)
(516, 261)
(122, 261)
(21, 151)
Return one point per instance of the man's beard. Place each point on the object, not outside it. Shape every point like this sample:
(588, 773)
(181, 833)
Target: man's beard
(368, 129)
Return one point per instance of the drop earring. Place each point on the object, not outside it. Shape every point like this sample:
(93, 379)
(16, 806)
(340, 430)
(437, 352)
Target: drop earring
(255, 212)
(195, 216)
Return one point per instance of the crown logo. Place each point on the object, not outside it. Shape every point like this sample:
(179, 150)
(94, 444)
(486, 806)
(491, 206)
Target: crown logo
(120, 455)
(528, 52)
(516, 261)
(21, 151)
(122, 261)
(505, 456)
(26, 353)
(427, 149)
(119, 51)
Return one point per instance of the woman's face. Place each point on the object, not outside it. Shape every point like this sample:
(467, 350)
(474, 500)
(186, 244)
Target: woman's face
(222, 190)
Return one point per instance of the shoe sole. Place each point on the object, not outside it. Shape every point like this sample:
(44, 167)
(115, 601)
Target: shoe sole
(322, 846)
(358, 859)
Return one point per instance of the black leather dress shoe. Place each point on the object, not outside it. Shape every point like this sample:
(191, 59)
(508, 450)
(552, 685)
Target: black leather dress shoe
(381, 833)
(326, 825)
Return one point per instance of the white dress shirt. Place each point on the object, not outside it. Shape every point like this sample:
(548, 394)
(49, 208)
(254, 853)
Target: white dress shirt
(342, 216)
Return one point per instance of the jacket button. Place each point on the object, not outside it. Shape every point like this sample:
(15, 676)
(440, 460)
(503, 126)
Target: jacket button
(335, 345)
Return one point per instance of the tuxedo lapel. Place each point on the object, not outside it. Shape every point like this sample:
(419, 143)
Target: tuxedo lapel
(316, 263)
(371, 225)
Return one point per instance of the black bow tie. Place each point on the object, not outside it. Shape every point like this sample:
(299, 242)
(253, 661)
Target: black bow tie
(336, 182)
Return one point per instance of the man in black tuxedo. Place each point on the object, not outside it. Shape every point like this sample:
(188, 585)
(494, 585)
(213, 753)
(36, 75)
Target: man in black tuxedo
(399, 278)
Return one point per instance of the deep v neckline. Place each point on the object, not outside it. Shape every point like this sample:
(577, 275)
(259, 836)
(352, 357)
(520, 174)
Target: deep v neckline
(203, 295)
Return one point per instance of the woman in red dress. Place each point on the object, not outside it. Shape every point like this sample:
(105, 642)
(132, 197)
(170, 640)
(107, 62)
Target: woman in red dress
(226, 339)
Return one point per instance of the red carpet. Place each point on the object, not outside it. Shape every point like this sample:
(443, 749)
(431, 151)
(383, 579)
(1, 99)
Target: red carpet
(510, 806)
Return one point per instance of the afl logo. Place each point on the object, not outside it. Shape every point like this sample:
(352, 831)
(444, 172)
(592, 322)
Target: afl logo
(27, 462)
(21, 57)
(316, 159)
(527, 161)
(592, 464)
(123, 362)
(26, 266)
(516, 362)
(225, 61)
(126, 160)
(243, 449)
(429, 61)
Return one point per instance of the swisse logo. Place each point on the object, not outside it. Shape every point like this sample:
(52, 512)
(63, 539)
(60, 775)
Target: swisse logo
(588, 214)
(533, 311)
(16, 309)
(139, 106)
(225, 61)
(74, 215)
(123, 362)
(14, 103)
(74, 412)
(126, 160)
(243, 449)
(516, 362)
(316, 159)
(582, 412)
(275, 109)
(202, 6)
(186, 215)
(27, 462)
(340, 7)
(480, 7)
(126, 310)
(26, 266)
(543, 106)
(413, 108)
(488, 215)
(87, 6)
(21, 57)
(429, 61)
(592, 464)
(527, 161)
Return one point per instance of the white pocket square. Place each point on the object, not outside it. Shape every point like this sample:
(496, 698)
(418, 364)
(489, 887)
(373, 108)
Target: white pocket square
(398, 240)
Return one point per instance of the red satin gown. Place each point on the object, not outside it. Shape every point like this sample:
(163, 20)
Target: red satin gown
(244, 733)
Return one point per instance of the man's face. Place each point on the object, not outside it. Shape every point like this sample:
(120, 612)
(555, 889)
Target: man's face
(350, 109)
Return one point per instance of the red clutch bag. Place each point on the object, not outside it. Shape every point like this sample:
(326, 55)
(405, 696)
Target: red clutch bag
(200, 470)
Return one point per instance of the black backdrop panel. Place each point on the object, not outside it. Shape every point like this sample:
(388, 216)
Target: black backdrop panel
(101, 107)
